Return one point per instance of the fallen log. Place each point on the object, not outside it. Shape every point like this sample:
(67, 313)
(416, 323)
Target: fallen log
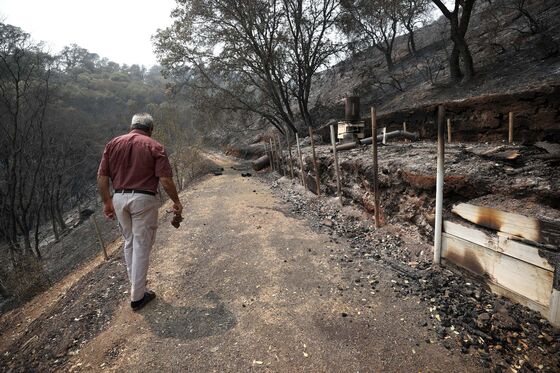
(532, 229)
(389, 135)
(245, 151)
(260, 163)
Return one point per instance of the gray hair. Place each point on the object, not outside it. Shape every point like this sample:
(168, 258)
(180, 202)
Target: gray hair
(142, 121)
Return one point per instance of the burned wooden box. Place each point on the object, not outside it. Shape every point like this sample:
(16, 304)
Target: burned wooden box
(520, 261)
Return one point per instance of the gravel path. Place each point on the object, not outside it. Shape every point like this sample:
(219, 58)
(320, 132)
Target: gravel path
(263, 276)
(245, 286)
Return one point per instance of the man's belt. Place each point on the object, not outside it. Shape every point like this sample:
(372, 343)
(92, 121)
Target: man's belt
(139, 191)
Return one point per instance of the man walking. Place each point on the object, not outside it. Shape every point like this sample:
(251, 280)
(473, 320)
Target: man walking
(135, 163)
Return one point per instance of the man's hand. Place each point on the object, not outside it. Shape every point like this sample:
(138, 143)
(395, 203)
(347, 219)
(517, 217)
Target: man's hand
(109, 210)
(177, 208)
(171, 190)
(103, 185)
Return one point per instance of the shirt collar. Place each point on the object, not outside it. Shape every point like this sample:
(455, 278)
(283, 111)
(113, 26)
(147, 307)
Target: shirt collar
(139, 132)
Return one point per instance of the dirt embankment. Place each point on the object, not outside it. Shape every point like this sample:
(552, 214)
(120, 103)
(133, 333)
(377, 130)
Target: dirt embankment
(407, 176)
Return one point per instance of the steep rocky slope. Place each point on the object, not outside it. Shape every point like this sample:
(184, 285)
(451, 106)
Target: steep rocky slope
(516, 71)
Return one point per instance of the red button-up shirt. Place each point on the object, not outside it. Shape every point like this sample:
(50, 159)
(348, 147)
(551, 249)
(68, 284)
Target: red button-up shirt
(135, 161)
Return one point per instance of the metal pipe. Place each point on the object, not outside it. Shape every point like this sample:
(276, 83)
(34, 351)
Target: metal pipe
(375, 167)
(439, 184)
(337, 170)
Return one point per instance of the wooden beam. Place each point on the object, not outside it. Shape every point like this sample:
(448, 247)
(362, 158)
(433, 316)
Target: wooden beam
(317, 177)
(470, 234)
(500, 290)
(520, 277)
(554, 315)
(281, 155)
(510, 128)
(290, 154)
(502, 243)
(532, 229)
(300, 162)
(530, 254)
(99, 237)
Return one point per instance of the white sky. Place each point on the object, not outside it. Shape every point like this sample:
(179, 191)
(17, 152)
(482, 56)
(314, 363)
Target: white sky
(117, 29)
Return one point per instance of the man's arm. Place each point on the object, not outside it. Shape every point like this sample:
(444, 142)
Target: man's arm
(104, 192)
(169, 187)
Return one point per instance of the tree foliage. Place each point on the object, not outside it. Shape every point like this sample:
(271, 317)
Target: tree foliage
(56, 114)
(257, 55)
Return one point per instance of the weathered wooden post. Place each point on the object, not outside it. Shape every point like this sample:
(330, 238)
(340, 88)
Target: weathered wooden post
(268, 154)
(276, 161)
(405, 130)
(303, 181)
(99, 237)
(290, 154)
(439, 184)
(375, 167)
(449, 130)
(337, 170)
(277, 152)
(317, 179)
(281, 154)
(510, 128)
(272, 161)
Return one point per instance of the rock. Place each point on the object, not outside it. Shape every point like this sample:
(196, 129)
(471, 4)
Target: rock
(328, 223)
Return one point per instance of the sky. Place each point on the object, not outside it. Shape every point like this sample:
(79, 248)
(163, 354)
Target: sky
(117, 29)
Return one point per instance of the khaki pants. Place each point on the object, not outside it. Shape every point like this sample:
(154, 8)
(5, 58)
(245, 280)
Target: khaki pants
(138, 217)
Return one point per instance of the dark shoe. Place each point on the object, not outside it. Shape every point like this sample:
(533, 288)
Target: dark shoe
(139, 304)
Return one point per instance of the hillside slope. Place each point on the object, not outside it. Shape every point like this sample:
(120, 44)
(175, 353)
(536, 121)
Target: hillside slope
(508, 59)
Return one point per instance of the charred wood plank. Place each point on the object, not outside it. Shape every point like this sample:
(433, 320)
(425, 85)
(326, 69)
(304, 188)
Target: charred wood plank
(532, 229)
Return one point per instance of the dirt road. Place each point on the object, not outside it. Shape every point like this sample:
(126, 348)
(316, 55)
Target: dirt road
(245, 286)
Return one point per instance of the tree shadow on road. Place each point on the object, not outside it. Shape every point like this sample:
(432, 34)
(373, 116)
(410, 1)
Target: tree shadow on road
(169, 321)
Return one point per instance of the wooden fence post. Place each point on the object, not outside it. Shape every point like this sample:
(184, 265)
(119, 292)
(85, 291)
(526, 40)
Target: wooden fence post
(510, 128)
(303, 181)
(276, 162)
(384, 135)
(281, 155)
(317, 179)
(272, 162)
(337, 170)
(375, 166)
(449, 130)
(439, 184)
(277, 158)
(404, 126)
(99, 237)
(267, 153)
(290, 154)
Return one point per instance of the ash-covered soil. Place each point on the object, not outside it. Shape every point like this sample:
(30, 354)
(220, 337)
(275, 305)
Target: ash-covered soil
(251, 282)
(463, 315)
(498, 174)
